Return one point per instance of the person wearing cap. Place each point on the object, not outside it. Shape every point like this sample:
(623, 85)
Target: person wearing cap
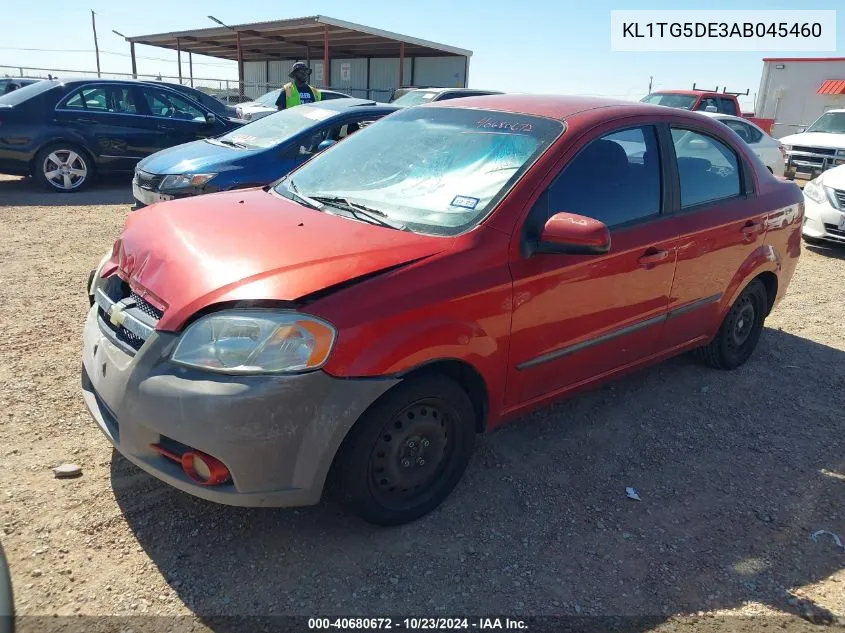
(298, 91)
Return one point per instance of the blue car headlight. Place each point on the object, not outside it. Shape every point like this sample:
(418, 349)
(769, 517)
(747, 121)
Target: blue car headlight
(185, 181)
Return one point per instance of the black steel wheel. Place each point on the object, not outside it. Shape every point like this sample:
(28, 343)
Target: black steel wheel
(407, 452)
(740, 330)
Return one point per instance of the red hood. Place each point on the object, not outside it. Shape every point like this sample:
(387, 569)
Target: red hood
(251, 245)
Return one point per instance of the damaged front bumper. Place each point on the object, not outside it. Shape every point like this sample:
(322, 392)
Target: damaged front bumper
(276, 435)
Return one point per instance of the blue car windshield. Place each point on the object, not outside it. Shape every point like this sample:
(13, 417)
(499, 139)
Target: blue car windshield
(278, 127)
(438, 171)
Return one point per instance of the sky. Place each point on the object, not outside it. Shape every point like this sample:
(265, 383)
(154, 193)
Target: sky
(559, 47)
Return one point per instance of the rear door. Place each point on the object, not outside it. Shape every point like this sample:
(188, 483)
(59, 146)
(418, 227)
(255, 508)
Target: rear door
(173, 118)
(106, 116)
(579, 317)
(717, 231)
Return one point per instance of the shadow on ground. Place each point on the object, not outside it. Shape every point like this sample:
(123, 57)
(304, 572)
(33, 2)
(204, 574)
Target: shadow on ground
(735, 470)
(827, 249)
(25, 192)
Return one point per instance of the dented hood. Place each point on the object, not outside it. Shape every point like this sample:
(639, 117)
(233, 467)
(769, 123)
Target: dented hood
(251, 245)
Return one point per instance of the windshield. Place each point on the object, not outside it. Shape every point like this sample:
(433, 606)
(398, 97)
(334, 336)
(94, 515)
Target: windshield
(432, 170)
(416, 97)
(22, 94)
(277, 128)
(269, 99)
(671, 100)
(831, 122)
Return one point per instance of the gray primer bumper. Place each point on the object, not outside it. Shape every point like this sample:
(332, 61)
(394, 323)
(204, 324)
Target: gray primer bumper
(277, 435)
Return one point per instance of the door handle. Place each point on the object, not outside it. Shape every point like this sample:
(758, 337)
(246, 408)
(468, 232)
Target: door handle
(87, 121)
(653, 257)
(751, 230)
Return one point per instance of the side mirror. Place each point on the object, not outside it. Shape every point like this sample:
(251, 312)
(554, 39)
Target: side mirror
(210, 118)
(325, 144)
(574, 234)
(711, 108)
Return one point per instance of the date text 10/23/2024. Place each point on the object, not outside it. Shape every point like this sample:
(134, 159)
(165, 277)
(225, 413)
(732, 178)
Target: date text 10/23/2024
(416, 624)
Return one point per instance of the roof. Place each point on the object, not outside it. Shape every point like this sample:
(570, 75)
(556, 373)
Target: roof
(295, 38)
(832, 87)
(441, 89)
(804, 59)
(342, 105)
(551, 106)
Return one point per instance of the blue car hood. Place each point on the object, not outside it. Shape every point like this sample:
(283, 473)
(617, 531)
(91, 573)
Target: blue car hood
(195, 157)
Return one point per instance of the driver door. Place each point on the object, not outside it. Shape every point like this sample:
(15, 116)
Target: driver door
(173, 119)
(579, 318)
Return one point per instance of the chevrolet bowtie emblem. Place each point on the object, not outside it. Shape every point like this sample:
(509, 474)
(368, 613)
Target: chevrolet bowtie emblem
(116, 314)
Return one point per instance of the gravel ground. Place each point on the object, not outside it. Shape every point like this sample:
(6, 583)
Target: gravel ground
(736, 470)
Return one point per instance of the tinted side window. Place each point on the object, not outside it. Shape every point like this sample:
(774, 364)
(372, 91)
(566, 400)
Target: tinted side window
(88, 99)
(708, 169)
(171, 105)
(113, 98)
(615, 179)
(705, 103)
(727, 106)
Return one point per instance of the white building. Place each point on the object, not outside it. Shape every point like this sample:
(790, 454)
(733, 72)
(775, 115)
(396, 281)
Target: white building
(795, 91)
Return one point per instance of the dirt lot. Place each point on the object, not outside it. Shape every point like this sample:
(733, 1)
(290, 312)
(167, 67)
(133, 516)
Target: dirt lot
(735, 470)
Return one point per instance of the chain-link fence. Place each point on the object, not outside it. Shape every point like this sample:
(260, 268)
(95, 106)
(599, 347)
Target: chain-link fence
(227, 90)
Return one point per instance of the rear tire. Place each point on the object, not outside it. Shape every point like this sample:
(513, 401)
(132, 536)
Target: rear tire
(63, 168)
(740, 330)
(407, 453)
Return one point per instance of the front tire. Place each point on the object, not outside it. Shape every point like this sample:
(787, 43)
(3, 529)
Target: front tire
(407, 453)
(63, 167)
(740, 330)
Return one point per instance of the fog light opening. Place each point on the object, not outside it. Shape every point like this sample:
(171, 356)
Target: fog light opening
(204, 469)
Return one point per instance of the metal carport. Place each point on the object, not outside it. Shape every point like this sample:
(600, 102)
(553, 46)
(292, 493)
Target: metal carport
(316, 37)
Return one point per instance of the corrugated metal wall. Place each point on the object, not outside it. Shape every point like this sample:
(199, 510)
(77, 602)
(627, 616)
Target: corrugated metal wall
(255, 76)
(350, 75)
(446, 72)
(384, 76)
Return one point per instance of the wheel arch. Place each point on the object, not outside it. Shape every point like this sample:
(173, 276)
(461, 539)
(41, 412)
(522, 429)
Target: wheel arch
(764, 264)
(466, 376)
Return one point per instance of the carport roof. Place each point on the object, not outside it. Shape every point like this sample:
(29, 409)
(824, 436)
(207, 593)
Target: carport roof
(295, 38)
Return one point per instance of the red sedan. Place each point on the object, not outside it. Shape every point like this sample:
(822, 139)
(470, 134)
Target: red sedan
(438, 272)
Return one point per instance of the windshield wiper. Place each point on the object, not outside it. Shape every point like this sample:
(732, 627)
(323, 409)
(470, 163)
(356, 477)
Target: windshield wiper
(298, 197)
(226, 141)
(360, 211)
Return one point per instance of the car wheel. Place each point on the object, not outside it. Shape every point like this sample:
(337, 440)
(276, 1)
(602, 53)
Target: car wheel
(407, 452)
(740, 330)
(63, 167)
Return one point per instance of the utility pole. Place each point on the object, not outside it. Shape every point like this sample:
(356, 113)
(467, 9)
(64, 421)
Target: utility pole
(650, 79)
(96, 46)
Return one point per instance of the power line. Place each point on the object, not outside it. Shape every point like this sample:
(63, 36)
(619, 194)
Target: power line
(102, 52)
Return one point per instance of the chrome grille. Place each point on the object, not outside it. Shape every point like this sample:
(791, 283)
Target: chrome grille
(146, 180)
(814, 150)
(137, 320)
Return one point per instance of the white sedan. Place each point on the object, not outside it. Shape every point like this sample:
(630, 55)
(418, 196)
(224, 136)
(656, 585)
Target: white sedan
(769, 149)
(266, 104)
(824, 207)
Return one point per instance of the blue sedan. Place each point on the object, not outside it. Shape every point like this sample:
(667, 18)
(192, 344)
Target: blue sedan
(254, 155)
